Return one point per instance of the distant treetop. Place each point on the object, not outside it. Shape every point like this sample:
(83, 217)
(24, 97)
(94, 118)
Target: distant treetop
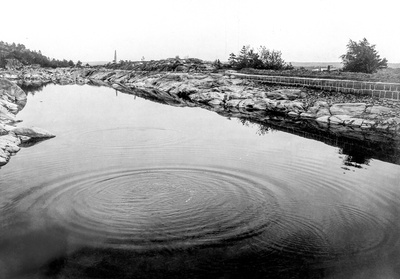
(13, 52)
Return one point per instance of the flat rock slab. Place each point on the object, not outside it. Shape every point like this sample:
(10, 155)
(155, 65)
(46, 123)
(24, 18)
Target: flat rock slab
(377, 110)
(32, 132)
(351, 109)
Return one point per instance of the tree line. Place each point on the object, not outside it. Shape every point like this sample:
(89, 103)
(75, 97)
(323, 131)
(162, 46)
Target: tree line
(360, 57)
(28, 57)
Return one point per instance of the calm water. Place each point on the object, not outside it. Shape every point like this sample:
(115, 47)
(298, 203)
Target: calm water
(131, 188)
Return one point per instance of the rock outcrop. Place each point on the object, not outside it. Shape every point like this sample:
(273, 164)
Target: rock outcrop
(38, 76)
(12, 100)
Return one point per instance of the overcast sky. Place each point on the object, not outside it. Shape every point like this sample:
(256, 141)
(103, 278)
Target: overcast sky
(303, 30)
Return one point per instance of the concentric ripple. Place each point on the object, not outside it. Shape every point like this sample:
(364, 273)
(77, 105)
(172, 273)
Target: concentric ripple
(151, 208)
(175, 207)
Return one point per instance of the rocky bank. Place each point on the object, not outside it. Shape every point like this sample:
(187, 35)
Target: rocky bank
(356, 117)
(12, 100)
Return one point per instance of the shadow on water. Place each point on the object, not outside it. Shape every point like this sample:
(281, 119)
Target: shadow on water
(356, 152)
(32, 142)
(25, 251)
(32, 88)
(49, 251)
(234, 259)
(197, 262)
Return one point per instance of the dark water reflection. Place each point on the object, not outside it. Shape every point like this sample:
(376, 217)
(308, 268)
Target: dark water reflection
(32, 88)
(134, 189)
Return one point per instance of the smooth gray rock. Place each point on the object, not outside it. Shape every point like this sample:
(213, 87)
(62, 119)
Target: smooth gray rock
(323, 119)
(233, 103)
(4, 156)
(260, 105)
(5, 114)
(340, 119)
(356, 122)
(215, 102)
(8, 145)
(13, 108)
(276, 95)
(32, 132)
(319, 109)
(377, 110)
(246, 103)
(351, 109)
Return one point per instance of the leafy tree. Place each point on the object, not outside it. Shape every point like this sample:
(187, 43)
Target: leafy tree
(79, 64)
(362, 57)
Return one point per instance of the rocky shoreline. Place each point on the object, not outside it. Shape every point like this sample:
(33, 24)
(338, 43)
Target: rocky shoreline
(339, 113)
(12, 100)
(361, 118)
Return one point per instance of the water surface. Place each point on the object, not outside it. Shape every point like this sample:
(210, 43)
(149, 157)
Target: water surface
(130, 188)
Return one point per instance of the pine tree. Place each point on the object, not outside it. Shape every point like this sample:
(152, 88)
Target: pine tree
(362, 57)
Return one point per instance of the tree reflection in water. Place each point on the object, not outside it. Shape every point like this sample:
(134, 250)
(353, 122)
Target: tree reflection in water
(357, 153)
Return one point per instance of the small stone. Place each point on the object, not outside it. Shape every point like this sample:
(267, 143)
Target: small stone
(323, 119)
(248, 103)
(260, 105)
(233, 103)
(307, 115)
(356, 122)
(215, 102)
(381, 126)
(335, 120)
(293, 114)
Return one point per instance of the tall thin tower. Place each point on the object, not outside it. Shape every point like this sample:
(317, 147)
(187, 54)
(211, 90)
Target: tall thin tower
(115, 57)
